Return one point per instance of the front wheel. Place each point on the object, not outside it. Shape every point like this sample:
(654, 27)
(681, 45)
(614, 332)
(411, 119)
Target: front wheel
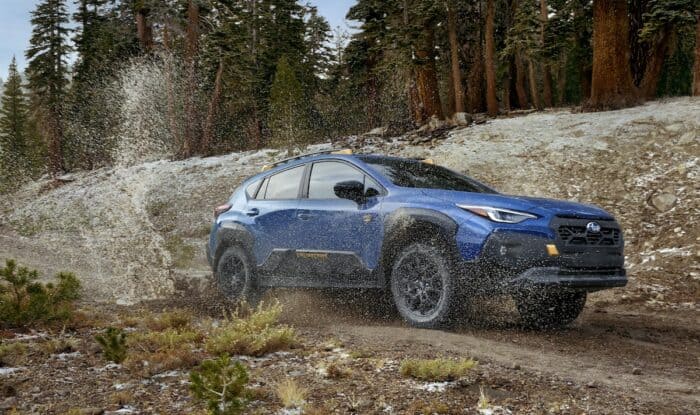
(423, 287)
(547, 310)
(235, 276)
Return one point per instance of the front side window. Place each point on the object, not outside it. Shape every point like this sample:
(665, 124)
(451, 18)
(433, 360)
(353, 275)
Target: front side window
(410, 173)
(284, 185)
(325, 175)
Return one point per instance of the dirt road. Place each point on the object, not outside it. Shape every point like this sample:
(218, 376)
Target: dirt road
(618, 355)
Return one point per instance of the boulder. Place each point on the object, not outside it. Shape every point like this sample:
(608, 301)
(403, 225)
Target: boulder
(663, 201)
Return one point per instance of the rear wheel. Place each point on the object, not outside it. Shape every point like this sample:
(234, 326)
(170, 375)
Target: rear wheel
(545, 310)
(235, 276)
(423, 287)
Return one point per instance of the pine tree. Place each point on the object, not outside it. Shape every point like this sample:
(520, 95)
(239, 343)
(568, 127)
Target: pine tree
(288, 119)
(47, 73)
(14, 118)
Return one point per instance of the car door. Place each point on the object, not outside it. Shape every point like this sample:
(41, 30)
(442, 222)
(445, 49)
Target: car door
(341, 238)
(272, 217)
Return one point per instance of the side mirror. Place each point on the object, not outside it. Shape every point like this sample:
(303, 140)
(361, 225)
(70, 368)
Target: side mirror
(351, 189)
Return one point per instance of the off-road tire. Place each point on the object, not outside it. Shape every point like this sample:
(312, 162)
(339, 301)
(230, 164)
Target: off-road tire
(426, 297)
(549, 310)
(235, 276)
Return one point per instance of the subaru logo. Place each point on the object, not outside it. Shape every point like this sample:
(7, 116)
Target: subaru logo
(593, 227)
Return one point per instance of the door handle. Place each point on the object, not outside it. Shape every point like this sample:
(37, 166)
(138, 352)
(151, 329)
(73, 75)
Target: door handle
(253, 212)
(304, 215)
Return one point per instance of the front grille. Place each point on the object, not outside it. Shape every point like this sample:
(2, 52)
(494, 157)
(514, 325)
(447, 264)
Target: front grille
(577, 235)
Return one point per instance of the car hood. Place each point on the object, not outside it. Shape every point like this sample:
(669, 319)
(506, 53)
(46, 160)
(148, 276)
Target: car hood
(540, 206)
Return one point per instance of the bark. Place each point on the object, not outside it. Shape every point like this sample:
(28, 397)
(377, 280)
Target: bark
(546, 72)
(489, 60)
(520, 81)
(426, 78)
(654, 65)
(144, 30)
(475, 77)
(208, 129)
(611, 84)
(191, 145)
(170, 86)
(561, 82)
(533, 84)
(456, 73)
(696, 66)
(55, 143)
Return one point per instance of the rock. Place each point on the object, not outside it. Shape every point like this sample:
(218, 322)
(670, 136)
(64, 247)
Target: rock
(688, 138)
(379, 131)
(591, 385)
(663, 201)
(91, 411)
(436, 124)
(675, 128)
(461, 119)
(516, 366)
(637, 371)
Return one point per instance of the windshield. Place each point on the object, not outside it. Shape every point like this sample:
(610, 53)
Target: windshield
(412, 173)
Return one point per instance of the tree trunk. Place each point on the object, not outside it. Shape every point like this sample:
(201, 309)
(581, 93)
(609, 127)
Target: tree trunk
(546, 72)
(454, 58)
(696, 66)
(561, 81)
(55, 144)
(208, 129)
(191, 122)
(489, 60)
(533, 84)
(143, 29)
(426, 78)
(520, 76)
(170, 87)
(654, 64)
(611, 84)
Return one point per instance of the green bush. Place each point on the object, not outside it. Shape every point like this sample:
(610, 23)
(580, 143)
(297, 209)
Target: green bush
(221, 384)
(255, 334)
(25, 302)
(113, 343)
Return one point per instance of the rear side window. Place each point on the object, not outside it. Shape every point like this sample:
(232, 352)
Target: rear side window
(252, 189)
(325, 175)
(284, 185)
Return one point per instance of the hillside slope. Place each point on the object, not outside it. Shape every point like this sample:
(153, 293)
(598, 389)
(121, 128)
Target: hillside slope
(137, 232)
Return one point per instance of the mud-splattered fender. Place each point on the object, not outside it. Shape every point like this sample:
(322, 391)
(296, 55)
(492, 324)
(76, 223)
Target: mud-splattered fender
(405, 225)
(231, 233)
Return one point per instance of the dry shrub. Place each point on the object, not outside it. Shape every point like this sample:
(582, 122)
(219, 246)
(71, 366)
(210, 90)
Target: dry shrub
(255, 334)
(166, 340)
(153, 363)
(429, 408)
(336, 371)
(291, 394)
(435, 370)
(13, 354)
(59, 345)
(175, 319)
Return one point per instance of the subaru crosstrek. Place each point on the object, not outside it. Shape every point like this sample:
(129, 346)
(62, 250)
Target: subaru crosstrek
(429, 236)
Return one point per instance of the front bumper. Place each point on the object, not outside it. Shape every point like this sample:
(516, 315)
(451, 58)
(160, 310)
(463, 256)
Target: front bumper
(512, 261)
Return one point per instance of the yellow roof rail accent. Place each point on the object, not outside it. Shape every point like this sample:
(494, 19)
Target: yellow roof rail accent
(428, 161)
(346, 151)
(266, 167)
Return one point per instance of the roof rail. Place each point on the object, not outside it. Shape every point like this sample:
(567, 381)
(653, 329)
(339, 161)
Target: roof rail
(300, 156)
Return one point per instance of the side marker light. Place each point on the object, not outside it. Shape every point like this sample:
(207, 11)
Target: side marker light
(552, 250)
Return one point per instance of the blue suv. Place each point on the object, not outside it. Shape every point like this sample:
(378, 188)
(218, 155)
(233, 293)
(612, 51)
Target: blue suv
(429, 236)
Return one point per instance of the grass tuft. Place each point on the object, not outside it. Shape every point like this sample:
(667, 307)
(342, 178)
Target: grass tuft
(13, 354)
(436, 370)
(255, 334)
(175, 319)
(291, 394)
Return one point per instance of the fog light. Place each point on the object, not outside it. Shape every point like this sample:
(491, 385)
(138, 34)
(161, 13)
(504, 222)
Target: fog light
(552, 250)
(503, 250)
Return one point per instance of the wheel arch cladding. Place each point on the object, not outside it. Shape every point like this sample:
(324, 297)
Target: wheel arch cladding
(408, 225)
(232, 234)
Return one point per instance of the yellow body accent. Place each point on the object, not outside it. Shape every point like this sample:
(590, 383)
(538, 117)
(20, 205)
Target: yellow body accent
(552, 250)
(312, 255)
(346, 151)
(266, 167)
(428, 161)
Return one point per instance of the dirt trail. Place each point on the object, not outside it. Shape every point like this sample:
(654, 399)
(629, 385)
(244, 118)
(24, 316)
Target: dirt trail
(649, 357)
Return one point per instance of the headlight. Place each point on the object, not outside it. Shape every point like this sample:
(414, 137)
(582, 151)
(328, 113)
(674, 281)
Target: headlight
(498, 214)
